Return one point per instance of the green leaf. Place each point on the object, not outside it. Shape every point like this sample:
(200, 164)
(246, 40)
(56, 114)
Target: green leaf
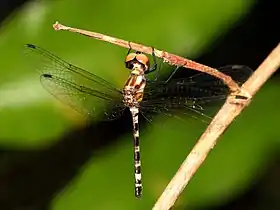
(180, 27)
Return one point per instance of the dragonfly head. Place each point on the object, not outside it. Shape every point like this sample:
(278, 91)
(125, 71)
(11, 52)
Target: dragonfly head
(137, 60)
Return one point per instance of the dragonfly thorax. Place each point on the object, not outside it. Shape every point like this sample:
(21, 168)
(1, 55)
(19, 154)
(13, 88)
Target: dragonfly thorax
(130, 98)
(134, 89)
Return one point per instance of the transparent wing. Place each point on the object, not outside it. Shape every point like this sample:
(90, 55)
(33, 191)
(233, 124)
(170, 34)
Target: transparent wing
(82, 90)
(191, 96)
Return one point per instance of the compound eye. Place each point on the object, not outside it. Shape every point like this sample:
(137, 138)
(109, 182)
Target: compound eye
(143, 59)
(130, 57)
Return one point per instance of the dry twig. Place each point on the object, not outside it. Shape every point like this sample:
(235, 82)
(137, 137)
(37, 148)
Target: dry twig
(229, 111)
(167, 57)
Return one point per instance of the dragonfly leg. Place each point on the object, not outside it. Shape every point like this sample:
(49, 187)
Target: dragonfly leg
(129, 48)
(172, 74)
(169, 78)
(154, 66)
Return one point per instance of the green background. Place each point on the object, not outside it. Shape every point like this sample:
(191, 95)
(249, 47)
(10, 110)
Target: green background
(30, 117)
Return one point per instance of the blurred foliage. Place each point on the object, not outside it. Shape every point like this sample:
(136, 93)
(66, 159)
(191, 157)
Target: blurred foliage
(30, 117)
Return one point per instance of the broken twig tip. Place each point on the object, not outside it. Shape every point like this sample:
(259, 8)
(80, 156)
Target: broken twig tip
(57, 26)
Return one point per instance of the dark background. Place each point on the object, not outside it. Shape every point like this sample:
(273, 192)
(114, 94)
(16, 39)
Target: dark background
(248, 42)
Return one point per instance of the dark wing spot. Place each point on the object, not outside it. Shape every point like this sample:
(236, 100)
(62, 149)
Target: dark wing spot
(241, 97)
(47, 75)
(30, 46)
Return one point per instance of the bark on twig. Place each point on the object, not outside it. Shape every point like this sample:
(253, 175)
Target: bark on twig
(167, 57)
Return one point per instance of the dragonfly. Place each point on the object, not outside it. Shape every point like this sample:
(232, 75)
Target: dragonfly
(94, 96)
